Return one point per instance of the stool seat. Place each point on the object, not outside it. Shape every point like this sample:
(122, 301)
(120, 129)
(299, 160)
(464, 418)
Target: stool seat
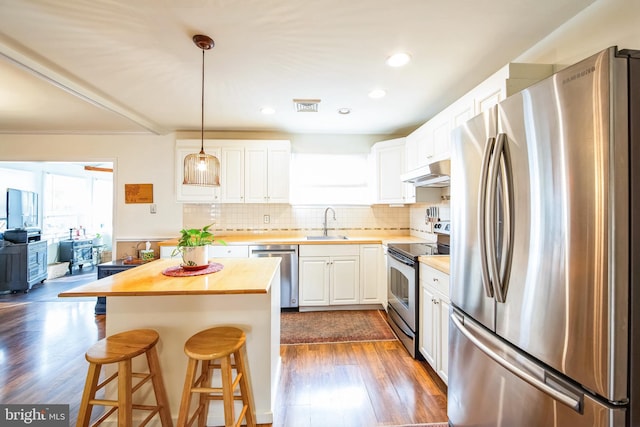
(214, 343)
(122, 346)
(120, 349)
(222, 348)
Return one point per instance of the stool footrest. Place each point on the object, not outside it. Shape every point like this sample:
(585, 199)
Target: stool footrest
(107, 381)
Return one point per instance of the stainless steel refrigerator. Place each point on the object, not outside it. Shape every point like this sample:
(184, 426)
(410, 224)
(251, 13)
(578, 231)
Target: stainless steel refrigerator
(545, 253)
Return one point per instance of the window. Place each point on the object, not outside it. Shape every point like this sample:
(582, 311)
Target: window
(72, 201)
(330, 179)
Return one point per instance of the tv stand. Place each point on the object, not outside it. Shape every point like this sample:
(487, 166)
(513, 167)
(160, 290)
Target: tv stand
(22, 265)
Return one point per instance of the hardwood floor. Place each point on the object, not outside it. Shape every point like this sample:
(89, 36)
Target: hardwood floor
(43, 339)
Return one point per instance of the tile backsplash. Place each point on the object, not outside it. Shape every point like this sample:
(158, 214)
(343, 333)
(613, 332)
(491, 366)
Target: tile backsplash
(279, 218)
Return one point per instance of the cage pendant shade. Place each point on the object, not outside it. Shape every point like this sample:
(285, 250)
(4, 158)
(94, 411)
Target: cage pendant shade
(202, 169)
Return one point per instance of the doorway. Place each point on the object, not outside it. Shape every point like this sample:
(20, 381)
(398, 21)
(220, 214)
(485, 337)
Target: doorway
(75, 199)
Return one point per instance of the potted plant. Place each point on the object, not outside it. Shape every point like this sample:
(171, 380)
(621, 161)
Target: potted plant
(192, 245)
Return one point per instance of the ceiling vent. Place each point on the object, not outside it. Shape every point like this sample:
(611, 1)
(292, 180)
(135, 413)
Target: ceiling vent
(306, 105)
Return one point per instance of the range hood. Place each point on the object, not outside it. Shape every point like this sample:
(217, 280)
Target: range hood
(434, 174)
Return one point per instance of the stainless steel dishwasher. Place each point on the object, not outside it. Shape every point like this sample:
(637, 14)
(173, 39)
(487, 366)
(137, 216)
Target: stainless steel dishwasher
(288, 270)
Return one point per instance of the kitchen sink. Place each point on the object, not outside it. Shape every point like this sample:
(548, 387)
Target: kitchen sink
(327, 237)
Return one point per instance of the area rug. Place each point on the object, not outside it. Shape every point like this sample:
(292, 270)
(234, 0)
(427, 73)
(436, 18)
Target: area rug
(316, 327)
(424, 425)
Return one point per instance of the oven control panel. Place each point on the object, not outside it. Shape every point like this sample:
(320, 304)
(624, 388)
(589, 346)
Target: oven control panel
(442, 227)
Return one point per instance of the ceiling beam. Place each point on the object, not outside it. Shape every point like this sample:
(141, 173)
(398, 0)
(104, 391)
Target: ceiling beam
(39, 66)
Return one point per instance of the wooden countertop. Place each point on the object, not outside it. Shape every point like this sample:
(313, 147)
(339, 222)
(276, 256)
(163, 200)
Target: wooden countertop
(439, 262)
(239, 276)
(288, 239)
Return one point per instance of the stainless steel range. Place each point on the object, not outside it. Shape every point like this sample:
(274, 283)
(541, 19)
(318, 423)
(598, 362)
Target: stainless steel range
(402, 278)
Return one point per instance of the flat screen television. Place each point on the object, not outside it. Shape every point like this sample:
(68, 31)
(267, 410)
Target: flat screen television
(22, 209)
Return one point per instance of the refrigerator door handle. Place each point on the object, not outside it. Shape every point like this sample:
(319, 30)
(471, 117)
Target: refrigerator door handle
(500, 166)
(520, 364)
(491, 219)
(482, 202)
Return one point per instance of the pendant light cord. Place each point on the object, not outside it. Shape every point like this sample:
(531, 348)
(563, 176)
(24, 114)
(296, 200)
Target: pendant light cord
(202, 110)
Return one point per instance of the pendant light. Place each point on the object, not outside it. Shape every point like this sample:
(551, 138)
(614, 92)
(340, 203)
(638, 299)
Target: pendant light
(202, 169)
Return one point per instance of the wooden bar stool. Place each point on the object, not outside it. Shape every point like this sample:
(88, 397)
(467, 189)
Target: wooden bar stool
(121, 349)
(217, 344)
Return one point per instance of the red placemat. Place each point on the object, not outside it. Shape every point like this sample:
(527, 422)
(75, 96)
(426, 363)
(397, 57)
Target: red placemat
(178, 271)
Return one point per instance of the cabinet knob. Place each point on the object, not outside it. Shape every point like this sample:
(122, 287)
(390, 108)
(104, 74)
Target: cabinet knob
(435, 280)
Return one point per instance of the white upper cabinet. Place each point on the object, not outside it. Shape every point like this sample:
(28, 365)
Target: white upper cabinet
(194, 193)
(232, 174)
(510, 79)
(432, 140)
(267, 172)
(389, 160)
(255, 171)
(278, 172)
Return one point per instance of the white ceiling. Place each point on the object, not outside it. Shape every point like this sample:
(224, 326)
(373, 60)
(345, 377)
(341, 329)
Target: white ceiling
(122, 66)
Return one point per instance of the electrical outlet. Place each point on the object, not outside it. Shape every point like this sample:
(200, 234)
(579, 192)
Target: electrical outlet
(266, 219)
(152, 208)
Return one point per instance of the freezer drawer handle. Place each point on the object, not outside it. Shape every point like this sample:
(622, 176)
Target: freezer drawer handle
(523, 372)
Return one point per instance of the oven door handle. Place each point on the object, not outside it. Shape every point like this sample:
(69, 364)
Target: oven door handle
(402, 261)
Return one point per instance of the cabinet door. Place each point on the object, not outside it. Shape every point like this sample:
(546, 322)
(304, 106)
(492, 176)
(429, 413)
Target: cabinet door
(486, 101)
(166, 251)
(314, 280)
(427, 339)
(232, 251)
(443, 340)
(442, 139)
(232, 175)
(390, 164)
(278, 169)
(345, 280)
(425, 143)
(256, 186)
(194, 193)
(371, 274)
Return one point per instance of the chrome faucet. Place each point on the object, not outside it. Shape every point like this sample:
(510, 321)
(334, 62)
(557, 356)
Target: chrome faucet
(324, 232)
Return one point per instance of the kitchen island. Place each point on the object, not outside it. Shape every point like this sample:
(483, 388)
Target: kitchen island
(244, 294)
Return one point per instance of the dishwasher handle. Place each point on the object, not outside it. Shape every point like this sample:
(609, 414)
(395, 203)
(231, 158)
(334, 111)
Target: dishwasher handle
(273, 251)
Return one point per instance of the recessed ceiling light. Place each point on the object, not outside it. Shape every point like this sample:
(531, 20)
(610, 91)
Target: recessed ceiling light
(398, 59)
(344, 110)
(377, 93)
(267, 110)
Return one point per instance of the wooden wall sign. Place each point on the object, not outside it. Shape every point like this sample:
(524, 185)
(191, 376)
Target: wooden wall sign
(138, 193)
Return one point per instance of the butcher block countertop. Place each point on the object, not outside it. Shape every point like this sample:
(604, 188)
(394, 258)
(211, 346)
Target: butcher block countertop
(439, 262)
(299, 239)
(239, 276)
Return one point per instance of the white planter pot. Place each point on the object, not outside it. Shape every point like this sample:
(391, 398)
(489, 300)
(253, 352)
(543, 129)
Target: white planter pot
(193, 256)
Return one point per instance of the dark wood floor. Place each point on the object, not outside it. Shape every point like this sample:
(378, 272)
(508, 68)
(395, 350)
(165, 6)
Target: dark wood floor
(43, 339)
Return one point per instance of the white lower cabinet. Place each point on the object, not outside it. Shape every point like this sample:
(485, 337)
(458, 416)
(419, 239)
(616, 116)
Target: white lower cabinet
(314, 280)
(433, 339)
(372, 274)
(166, 251)
(228, 251)
(329, 275)
(341, 275)
(214, 251)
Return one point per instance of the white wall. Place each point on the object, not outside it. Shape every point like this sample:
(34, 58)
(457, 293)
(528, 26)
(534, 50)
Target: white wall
(603, 24)
(138, 159)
